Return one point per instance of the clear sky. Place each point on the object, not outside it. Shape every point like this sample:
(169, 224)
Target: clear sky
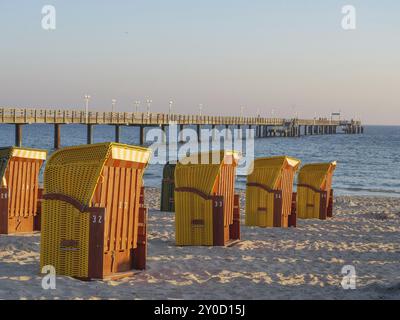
(288, 56)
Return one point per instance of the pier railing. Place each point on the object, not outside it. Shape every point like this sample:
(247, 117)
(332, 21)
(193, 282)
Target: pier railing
(28, 116)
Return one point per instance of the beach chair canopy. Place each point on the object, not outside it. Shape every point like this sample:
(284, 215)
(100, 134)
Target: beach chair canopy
(75, 171)
(317, 174)
(267, 171)
(201, 170)
(8, 153)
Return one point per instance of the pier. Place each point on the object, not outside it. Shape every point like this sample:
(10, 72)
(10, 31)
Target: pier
(264, 127)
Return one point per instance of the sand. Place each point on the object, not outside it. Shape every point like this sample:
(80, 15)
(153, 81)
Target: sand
(300, 263)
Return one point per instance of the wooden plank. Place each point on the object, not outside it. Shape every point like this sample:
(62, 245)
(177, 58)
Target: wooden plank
(132, 208)
(103, 194)
(218, 221)
(96, 243)
(109, 207)
(31, 189)
(3, 211)
(14, 192)
(22, 207)
(37, 165)
(10, 182)
(114, 213)
(28, 182)
(121, 205)
(127, 204)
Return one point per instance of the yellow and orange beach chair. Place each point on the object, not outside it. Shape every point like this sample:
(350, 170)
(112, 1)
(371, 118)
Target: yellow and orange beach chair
(206, 208)
(269, 191)
(314, 191)
(93, 214)
(19, 190)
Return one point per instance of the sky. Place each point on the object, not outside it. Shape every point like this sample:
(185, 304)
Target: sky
(279, 58)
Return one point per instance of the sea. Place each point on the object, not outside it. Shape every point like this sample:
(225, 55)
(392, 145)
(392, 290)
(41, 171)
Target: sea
(368, 164)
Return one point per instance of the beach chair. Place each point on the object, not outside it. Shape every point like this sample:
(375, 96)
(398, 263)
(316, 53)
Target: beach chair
(206, 208)
(19, 190)
(168, 188)
(314, 191)
(93, 214)
(269, 191)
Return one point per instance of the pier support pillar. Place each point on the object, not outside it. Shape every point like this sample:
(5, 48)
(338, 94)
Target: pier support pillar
(18, 135)
(239, 132)
(117, 133)
(198, 128)
(57, 136)
(226, 132)
(164, 134)
(89, 134)
(213, 132)
(180, 138)
(141, 135)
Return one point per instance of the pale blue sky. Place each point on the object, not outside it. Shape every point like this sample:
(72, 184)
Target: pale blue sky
(291, 56)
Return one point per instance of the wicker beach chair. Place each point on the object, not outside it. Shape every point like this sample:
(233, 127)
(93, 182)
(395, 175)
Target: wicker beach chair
(314, 191)
(93, 214)
(269, 191)
(168, 188)
(19, 190)
(206, 208)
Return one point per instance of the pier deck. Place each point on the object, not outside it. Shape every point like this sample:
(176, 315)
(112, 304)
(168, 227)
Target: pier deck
(264, 127)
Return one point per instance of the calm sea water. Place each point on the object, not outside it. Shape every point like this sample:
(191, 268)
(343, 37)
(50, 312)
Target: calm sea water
(368, 164)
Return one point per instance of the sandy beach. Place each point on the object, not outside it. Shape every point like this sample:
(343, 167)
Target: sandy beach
(300, 263)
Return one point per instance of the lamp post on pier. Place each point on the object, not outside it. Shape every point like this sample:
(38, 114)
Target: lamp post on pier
(113, 103)
(148, 101)
(137, 104)
(87, 98)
